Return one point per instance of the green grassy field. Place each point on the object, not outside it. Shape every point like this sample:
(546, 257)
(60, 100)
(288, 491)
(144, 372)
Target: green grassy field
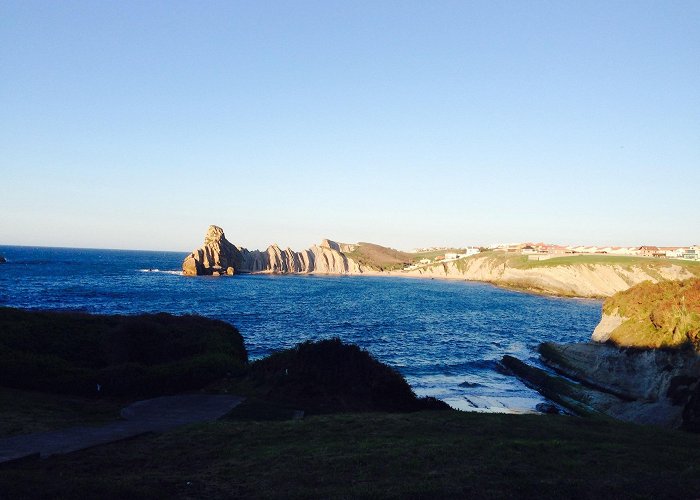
(425, 454)
(693, 266)
(519, 261)
(24, 412)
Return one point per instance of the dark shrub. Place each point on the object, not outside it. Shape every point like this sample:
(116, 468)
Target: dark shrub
(329, 376)
(143, 355)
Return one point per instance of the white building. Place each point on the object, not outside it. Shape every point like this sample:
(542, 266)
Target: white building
(676, 253)
(692, 253)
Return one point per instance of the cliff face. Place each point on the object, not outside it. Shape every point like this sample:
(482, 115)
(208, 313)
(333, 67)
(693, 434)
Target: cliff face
(649, 386)
(219, 256)
(575, 280)
(643, 364)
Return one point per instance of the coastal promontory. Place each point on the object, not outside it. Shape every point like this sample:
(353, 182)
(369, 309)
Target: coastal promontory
(642, 365)
(218, 257)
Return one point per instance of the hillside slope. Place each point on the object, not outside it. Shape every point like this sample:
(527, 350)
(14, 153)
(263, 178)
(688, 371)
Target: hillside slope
(653, 315)
(568, 276)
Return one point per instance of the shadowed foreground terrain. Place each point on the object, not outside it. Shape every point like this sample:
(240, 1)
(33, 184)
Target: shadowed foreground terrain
(378, 454)
(260, 450)
(109, 355)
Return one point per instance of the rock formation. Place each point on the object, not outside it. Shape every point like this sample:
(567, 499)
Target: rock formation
(571, 280)
(219, 256)
(2, 259)
(650, 377)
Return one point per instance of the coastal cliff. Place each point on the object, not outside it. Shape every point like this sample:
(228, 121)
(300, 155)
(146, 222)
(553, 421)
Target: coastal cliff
(577, 276)
(643, 364)
(219, 256)
(571, 279)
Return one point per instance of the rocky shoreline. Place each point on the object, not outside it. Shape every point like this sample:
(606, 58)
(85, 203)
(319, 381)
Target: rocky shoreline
(219, 257)
(650, 378)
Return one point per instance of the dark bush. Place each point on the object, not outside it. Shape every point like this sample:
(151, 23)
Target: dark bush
(329, 376)
(143, 355)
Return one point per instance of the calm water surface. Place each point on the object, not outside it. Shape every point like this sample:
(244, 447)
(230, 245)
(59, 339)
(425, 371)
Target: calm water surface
(444, 336)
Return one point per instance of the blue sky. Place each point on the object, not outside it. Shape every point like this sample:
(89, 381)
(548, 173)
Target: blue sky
(137, 124)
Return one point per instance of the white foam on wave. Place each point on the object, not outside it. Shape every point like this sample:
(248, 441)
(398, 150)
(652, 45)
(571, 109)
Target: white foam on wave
(160, 271)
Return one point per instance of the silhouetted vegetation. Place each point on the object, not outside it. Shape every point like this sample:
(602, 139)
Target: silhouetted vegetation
(85, 354)
(329, 376)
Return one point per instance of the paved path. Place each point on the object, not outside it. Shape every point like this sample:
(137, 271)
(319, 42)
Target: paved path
(151, 415)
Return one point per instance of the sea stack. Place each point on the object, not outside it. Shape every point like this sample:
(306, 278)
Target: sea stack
(217, 257)
(2, 259)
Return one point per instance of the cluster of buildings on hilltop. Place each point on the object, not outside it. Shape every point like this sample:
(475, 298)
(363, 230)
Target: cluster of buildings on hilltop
(543, 249)
(447, 257)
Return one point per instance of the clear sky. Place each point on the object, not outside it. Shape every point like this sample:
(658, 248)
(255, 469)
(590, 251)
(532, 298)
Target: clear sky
(136, 124)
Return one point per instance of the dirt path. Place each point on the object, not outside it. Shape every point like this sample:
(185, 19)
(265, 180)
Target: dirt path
(151, 415)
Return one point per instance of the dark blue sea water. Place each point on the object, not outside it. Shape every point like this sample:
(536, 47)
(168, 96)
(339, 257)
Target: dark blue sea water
(444, 336)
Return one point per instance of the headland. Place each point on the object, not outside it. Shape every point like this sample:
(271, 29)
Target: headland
(580, 275)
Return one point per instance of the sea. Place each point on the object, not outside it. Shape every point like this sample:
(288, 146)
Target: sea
(445, 336)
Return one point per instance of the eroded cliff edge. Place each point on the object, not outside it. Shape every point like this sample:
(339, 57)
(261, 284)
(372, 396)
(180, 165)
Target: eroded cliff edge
(569, 279)
(642, 365)
(218, 256)
(564, 277)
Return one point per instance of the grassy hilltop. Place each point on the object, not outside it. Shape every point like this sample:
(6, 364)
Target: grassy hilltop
(382, 258)
(665, 314)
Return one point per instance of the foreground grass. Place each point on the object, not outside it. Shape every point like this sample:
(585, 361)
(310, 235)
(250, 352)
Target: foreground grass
(377, 454)
(25, 412)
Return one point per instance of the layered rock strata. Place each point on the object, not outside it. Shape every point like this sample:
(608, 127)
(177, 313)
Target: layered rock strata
(629, 377)
(219, 256)
(574, 280)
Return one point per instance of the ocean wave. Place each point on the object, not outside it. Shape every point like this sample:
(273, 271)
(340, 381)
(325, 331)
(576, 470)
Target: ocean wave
(162, 271)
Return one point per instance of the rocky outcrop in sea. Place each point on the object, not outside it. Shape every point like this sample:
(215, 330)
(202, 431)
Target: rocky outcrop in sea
(218, 256)
(650, 377)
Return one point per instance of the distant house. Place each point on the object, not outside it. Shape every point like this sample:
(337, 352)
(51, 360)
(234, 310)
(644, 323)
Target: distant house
(648, 251)
(675, 253)
(528, 249)
(451, 256)
(469, 251)
(692, 253)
